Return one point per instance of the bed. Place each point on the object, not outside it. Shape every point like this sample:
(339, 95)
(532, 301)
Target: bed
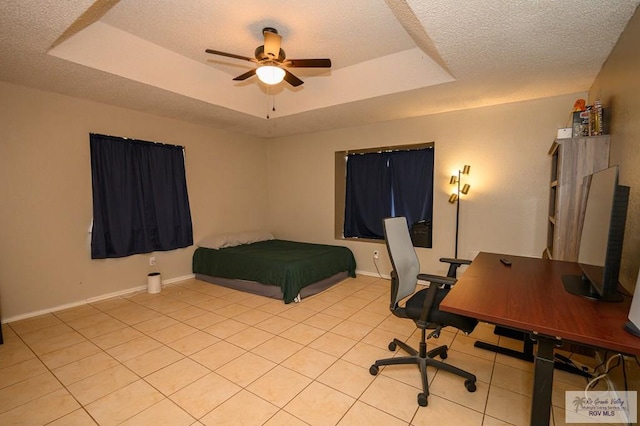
(276, 268)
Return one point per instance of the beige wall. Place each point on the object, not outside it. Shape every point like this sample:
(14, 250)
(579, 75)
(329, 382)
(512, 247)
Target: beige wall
(46, 203)
(618, 87)
(505, 211)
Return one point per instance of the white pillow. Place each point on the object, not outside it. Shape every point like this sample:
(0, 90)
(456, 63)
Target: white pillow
(213, 241)
(234, 239)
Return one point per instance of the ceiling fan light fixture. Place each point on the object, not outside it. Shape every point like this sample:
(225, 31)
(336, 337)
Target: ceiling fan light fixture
(270, 60)
(270, 74)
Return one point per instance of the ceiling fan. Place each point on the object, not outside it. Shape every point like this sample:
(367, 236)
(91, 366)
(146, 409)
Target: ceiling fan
(271, 59)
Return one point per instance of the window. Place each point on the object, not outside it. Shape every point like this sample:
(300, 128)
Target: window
(383, 183)
(140, 201)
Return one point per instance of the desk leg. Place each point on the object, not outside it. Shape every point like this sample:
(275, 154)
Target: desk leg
(543, 380)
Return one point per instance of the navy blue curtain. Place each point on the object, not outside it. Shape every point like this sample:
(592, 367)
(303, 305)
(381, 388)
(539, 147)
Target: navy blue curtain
(368, 195)
(140, 200)
(386, 184)
(412, 182)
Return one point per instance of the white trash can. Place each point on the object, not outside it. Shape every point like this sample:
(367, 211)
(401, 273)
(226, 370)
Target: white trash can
(154, 282)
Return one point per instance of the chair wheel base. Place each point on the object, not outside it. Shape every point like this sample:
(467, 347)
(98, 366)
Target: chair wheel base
(392, 346)
(422, 399)
(470, 385)
(373, 370)
(444, 355)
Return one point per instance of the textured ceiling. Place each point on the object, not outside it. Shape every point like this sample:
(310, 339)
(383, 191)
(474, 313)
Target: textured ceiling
(391, 58)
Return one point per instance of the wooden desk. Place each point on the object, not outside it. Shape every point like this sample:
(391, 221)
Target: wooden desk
(529, 296)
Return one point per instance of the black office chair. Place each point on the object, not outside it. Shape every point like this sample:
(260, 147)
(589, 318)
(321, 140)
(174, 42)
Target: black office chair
(421, 307)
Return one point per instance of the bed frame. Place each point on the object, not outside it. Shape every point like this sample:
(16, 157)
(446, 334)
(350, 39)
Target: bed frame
(273, 291)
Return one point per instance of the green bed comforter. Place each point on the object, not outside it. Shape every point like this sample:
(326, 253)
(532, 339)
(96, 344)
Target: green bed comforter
(288, 264)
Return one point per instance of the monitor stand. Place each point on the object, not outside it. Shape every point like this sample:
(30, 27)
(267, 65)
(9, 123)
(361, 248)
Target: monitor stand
(578, 285)
(629, 327)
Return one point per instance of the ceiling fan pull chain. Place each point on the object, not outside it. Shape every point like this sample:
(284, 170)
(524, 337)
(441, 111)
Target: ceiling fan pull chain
(267, 102)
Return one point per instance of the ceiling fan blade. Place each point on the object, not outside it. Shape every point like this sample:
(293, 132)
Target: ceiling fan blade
(292, 79)
(308, 63)
(272, 42)
(230, 55)
(246, 75)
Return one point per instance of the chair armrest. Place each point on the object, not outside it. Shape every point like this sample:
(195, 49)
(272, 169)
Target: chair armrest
(430, 297)
(437, 279)
(455, 261)
(454, 264)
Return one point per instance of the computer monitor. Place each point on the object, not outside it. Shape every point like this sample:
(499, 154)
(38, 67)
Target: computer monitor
(601, 238)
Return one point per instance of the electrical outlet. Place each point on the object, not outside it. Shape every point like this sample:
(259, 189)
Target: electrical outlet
(376, 254)
(152, 261)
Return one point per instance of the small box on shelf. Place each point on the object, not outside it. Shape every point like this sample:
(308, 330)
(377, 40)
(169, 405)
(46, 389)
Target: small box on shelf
(580, 123)
(565, 133)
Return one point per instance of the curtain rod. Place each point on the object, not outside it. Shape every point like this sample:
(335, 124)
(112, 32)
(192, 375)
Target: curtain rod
(428, 145)
(139, 140)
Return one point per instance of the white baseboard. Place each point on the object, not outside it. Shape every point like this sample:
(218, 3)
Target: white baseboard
(373, 274)
(91, 300)
(386, 277)
(178, 279)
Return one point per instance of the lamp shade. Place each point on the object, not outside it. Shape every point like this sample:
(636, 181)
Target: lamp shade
(270, 74)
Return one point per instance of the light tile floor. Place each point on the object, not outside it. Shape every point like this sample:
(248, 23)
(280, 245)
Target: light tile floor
(201, 354)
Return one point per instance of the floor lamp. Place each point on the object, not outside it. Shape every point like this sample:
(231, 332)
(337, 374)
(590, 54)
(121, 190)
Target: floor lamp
(455, 196)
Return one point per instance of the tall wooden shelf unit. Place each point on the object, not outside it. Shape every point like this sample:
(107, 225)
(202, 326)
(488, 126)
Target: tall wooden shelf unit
(571, 160)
